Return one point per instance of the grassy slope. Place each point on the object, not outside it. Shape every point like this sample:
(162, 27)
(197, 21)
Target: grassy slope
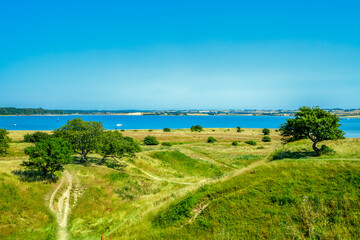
(23, 212)
(287, 199)
(266, 202)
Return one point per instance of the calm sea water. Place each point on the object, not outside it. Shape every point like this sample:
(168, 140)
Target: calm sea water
(350, 126)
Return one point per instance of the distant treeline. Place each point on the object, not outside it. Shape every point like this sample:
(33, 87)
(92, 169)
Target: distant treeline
(29, 111)
(280, 112)
(41, 111)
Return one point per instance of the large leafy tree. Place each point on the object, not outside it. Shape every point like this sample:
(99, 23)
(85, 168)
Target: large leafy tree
(113, 144)
(315, 124)
(4, 141)
(49, 155)
(84, 136)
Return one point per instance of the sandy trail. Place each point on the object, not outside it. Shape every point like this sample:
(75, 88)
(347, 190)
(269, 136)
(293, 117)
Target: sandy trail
(61, 209)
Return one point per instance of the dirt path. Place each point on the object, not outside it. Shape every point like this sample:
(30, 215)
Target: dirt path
(63, 193)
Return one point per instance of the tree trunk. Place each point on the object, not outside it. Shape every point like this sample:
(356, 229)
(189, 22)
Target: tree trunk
(317, 150)
(83, 157)
(44, 172)
(101, 160)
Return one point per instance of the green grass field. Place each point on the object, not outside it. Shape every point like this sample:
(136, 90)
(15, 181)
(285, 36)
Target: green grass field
(191, 190)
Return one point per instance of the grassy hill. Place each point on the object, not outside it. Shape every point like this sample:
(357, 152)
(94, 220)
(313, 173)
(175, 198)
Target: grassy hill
(191, 190)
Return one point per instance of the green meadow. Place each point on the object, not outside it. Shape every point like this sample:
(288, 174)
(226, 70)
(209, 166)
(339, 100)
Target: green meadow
(190, 190)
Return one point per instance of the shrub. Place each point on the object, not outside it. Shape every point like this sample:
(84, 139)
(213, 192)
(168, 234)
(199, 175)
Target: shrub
(166, 129)
(211, 140)
(166, 144)
(266, 131)
(196, 128)
(238, 129)
(36, 137)
(326, 150)
(251, 142)
(266, 139)
(151, 140)
(4, 141)
(175, 212)
(234, 143)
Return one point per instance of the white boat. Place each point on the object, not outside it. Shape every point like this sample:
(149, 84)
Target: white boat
(14, 124)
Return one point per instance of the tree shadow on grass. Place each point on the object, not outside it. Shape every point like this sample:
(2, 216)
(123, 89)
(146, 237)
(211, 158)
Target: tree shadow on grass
(32, 176)
(281, 154)
(109, 162)
(115, 164)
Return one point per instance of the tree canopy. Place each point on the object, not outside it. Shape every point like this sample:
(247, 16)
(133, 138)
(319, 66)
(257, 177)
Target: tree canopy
(315, 124)
(36, 137)
(84, 136)
(266, 131)
(166, 129)
(196, 128)
(4, 141)
(113, 144)
(49, 155)
(151, 140)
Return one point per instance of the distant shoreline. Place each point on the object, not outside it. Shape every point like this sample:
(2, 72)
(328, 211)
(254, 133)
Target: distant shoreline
(187, 115)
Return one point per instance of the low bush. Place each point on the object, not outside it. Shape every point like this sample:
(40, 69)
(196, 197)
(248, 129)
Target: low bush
(151, 140)
(211, 140)
(36, 137)
(266, 139)
(175, 212)
(166, 144)
(234, 143)
(238, 129)
(266, 131)
(325, 150)
(251, 142)
(196, 128)
(166, 129)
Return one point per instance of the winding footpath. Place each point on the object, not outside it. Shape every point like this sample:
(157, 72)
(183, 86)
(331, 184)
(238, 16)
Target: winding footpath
(66, 197)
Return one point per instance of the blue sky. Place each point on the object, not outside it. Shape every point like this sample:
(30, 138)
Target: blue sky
(179, 54)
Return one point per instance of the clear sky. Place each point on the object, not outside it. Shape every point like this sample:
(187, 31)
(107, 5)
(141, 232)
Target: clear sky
(179, 54)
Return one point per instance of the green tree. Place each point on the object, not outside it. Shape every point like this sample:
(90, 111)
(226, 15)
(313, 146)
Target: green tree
(113, 144)
(315, 124)
(251, 142)
(84, 136)
(266, 139)
(166, 129)
(196, 128)
(150, 140)
(49, 155)
(36, 137)
(4, 141)
(238, 129)
(266, 131)
(211, 140)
